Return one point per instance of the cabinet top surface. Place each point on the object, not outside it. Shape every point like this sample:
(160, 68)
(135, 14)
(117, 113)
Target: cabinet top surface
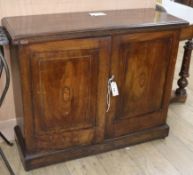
(84, 24)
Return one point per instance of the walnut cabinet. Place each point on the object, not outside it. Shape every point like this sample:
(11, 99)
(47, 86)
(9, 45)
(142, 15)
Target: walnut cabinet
(60, 72)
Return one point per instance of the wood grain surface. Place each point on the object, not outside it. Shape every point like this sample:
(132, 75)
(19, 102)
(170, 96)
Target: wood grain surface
(82, 24)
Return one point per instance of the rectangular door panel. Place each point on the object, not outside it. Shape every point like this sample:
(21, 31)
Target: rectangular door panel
(143, 76)
(65, 93)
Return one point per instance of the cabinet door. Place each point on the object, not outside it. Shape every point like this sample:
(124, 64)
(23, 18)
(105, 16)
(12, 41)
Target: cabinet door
(143, 67)
(67, 82)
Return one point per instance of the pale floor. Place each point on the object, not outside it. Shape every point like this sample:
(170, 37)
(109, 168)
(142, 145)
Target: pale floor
(170, 156)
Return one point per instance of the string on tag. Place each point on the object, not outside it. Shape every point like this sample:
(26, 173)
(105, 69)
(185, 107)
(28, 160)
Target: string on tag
(109, 93)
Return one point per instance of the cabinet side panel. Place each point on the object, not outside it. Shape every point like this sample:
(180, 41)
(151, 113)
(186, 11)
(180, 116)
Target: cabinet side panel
(16, 79)
(170, 73)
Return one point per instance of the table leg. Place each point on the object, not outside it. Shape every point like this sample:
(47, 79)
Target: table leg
(180, 95)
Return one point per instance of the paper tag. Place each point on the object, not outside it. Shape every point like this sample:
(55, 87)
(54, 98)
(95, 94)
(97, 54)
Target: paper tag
(97, 14)
(114, 88)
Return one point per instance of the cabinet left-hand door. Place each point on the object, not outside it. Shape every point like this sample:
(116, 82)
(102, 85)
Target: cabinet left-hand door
(64, 92)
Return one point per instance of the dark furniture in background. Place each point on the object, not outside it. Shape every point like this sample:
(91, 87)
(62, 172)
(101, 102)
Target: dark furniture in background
(185, 2)
(61, 66)
(180, 94)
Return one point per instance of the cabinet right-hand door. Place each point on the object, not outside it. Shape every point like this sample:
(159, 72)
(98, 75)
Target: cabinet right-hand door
(143, 66)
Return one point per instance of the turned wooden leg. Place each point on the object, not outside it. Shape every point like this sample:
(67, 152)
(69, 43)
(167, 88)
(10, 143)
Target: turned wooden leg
(180, 94)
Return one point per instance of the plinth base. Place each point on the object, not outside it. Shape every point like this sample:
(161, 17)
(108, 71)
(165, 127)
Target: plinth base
(40, 159)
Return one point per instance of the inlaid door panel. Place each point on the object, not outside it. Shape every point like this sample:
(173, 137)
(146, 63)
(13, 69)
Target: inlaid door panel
(140, 64)
(69, 82)
(69, 92)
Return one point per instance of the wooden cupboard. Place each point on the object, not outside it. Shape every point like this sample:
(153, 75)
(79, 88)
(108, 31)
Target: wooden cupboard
(61, 70)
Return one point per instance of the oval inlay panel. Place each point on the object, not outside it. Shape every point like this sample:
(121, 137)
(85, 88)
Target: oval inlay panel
(140, 83)
(66, 94)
